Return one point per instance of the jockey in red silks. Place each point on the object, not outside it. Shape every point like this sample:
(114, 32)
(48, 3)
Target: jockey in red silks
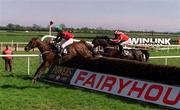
(121, 38)
(63, 39)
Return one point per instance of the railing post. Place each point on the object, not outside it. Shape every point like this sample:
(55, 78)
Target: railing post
(17, 46)
(177, 49)
(1, 46)
(168, 49)
(165, 61)
(28, 65)
(12, 43)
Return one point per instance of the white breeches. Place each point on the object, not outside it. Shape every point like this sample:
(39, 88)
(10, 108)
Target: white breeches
(125, 43)
(65, 43)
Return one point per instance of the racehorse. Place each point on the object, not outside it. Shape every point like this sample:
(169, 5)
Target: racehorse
(105, 47)
(50, 57)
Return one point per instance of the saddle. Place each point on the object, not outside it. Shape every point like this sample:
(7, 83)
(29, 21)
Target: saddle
(58, 50)
(125, 52)
(122, 51)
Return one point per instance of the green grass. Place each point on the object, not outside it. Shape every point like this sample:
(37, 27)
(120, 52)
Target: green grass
(17, 93)
(170, 61)
(27, 36)
(19, 36)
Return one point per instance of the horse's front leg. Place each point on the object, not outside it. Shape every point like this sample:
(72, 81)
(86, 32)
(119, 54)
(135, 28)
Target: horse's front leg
(39, 71)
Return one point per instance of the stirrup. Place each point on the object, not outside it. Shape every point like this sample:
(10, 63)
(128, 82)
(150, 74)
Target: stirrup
(59, 60)
(60, 52)
(58, 55)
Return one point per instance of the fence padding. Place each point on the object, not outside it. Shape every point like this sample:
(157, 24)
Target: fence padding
(133, 69)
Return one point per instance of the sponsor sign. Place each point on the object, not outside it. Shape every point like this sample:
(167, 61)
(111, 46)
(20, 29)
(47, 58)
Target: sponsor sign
(60, 74)
(151, 41)
(141, 90)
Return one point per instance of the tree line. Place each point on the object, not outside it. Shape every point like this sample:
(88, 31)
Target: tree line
(35, 27)
(99, 30)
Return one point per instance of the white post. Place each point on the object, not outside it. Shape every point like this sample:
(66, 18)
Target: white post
(165, 61)
(28, 65)
(17, 46)
(177, 49)
(50, 25)
(1, 46)
(12, 43)
(157, 48)
(49, 29)
(168, 49)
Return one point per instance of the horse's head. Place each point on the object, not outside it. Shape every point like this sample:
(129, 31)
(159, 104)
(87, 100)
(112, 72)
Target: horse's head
(101, 41)
(32, 44)
(107, 38)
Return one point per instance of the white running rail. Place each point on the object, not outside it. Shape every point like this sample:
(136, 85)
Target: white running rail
(164, 57)
(24, 55)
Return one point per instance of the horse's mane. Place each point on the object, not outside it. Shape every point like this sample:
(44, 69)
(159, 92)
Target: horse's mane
(45, 44)
(102, 37)
(89, 46)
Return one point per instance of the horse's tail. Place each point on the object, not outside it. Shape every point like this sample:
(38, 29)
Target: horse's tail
(146, 53)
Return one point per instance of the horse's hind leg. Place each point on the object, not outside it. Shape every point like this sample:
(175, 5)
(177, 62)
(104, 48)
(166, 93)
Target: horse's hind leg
(139, 56)
(39, 71)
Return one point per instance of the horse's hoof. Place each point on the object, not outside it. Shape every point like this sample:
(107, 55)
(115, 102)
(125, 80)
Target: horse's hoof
(100, 56)
(33, 81)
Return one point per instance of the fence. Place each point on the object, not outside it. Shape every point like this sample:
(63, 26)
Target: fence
(16, 45)
(28, 59)
(36, 55)
(164, 57)
(19, 46)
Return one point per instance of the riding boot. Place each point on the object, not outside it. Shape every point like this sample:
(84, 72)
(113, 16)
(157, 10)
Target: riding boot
(60, 52)
(120, 49)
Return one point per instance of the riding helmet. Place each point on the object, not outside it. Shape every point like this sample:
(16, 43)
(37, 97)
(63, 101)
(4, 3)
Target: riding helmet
(58, 28)
(117, 32)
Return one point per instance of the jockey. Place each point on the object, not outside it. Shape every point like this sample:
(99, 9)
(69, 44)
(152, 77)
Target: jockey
(121, 39)
(63, 39)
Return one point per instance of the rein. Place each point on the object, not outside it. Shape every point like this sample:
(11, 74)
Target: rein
(45, 52)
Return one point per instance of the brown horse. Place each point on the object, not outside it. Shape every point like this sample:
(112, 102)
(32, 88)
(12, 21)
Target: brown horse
(129, 54)
(50, 58)
(105, 47)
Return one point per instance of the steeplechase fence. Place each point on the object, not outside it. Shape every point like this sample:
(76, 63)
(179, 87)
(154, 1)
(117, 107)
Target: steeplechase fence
(149, 91)
(28, 56)
(131, 79)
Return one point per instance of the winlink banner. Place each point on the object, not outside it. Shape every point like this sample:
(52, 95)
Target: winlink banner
(151, 41)
(156, 93)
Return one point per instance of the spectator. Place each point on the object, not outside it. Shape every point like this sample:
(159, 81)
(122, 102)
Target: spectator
(8, 59)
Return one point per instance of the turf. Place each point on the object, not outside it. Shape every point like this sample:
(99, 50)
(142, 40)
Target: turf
(170, 61)
(18, 93)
